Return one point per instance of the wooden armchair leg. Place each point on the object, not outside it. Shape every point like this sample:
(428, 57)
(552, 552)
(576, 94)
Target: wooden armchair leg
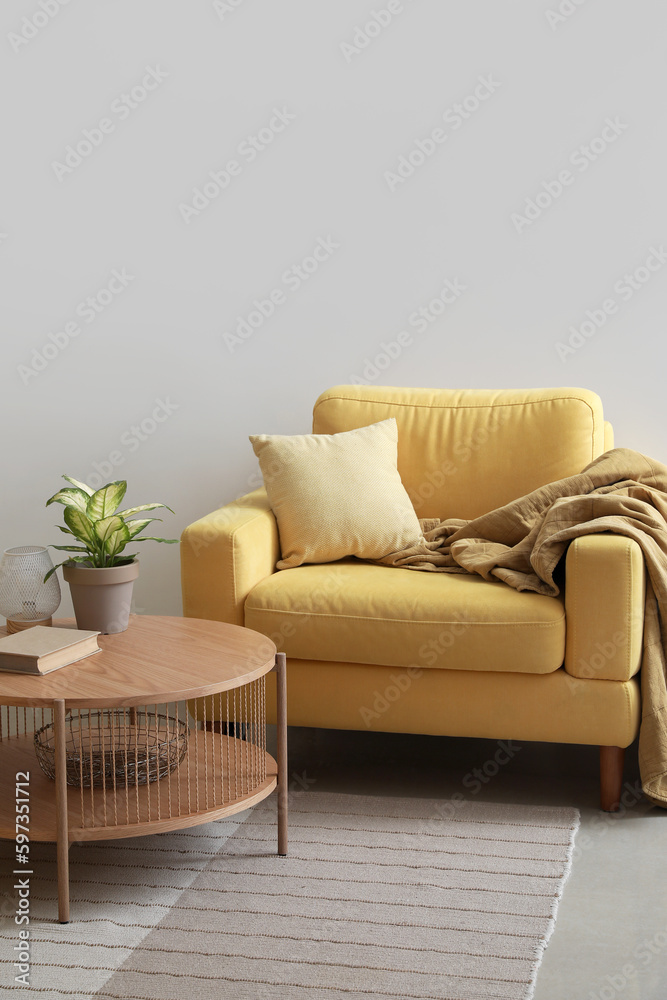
(611, 777)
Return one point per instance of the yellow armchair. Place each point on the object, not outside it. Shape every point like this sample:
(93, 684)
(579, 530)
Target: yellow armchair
(385, 649)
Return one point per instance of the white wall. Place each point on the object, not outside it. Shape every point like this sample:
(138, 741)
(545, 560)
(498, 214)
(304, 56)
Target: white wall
(554, 82)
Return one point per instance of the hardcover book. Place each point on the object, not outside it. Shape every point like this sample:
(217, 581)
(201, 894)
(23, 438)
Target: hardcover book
(40, 649)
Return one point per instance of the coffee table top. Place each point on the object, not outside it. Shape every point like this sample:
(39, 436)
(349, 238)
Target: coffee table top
(157, 659)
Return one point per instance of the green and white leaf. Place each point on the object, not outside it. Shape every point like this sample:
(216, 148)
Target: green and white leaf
(70, 548)
(80, 525)
(136, 526)
(106, 526)
(106, 500)
(81, 486)
(117, 540)
(70, 498)
(152, 538)
(143, 506)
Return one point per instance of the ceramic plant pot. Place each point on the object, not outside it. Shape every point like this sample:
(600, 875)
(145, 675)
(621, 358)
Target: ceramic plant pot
(102, 597)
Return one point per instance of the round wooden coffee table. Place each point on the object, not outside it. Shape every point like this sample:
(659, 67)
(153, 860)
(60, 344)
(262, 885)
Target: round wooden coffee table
(164, 728)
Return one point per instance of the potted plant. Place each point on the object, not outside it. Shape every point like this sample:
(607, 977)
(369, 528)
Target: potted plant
(102, 576)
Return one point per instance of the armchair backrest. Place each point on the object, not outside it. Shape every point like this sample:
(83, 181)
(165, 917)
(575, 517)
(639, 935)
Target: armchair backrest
(464, 452)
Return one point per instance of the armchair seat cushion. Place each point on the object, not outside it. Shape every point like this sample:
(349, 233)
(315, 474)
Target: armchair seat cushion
(350, 611)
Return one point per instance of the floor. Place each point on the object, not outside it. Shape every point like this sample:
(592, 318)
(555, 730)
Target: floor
(610, 939)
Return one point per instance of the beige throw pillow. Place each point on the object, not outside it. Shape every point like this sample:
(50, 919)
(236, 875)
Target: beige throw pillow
(337, 495)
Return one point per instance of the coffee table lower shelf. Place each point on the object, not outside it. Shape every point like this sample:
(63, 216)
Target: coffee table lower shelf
(129, 811)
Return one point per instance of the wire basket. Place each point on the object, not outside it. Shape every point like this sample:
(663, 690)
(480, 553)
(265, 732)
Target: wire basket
(115, 747)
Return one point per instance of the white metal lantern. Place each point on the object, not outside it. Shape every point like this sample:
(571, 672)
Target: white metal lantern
(25, 599)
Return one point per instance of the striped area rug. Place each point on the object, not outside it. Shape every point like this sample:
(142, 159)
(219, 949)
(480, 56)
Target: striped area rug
(391, 898)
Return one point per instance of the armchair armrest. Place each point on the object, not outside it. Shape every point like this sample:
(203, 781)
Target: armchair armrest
(608, 436)
(605, 584)
(224, 555)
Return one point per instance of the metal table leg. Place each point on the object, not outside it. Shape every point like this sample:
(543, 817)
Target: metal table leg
(62, 838)
(281, 720)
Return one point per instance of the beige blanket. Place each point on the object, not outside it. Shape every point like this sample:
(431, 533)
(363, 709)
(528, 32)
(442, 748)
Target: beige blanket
(621, 492)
